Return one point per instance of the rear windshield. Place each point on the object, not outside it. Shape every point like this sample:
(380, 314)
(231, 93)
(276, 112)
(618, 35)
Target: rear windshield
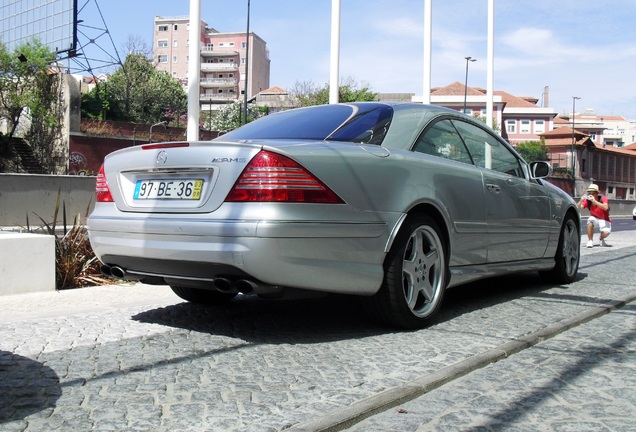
(365, 123)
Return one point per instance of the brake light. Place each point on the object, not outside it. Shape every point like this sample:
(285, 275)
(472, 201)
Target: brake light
(102, 191)
(270, 177)
(164, 145)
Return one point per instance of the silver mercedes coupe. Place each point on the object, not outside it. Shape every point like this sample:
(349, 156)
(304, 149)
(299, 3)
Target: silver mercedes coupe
(392, 202)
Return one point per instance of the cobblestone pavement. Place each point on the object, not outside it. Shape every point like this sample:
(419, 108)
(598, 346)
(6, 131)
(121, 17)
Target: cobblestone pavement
(581, 380)
(137, 358)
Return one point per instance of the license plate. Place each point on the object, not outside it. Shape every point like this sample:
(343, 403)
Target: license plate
(180, 189)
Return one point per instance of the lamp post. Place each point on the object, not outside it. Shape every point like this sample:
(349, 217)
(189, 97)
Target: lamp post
(163, 123)
(574, 98)
(468, 59)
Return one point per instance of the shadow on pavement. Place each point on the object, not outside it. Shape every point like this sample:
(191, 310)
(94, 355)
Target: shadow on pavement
(26, 387)
(328, 318)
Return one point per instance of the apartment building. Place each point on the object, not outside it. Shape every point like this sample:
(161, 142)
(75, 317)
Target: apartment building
(604, 130)
(225, 64)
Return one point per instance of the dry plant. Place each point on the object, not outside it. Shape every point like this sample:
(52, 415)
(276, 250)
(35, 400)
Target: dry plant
(76, 265)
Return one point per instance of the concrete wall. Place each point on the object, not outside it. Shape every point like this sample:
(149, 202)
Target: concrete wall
(31, 194)
(27, 263)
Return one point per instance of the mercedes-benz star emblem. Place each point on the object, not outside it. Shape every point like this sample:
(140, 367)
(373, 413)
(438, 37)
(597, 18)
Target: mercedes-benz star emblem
(162, 157)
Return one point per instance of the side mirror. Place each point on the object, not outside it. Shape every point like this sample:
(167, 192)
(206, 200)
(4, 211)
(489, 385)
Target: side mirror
(540, 169)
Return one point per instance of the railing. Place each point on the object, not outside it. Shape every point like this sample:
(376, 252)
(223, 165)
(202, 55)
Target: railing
(212, 51)
(218, 82)
(218, 66)
(218, 96)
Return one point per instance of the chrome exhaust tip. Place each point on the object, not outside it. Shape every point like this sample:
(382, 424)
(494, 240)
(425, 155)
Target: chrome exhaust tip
(117, 272)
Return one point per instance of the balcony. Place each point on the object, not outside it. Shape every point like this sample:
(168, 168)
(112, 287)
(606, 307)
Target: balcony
(211, 52)
(218, 82)
(219, 67)
(218, 97)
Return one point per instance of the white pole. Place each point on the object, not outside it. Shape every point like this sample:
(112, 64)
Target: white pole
(428, 32)
(194, 67)
(334, 81)
(490, 64)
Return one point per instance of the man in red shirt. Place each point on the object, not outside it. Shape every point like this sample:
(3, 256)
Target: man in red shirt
(598, 205)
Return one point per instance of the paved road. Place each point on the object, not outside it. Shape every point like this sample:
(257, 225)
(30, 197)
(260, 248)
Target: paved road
(136, 358)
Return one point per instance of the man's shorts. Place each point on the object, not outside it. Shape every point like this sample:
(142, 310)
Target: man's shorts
(600, 223)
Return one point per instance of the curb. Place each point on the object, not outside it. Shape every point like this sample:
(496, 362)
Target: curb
(349, 416)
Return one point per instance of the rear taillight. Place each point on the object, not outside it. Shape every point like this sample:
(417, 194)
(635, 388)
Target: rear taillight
(270, 177)
(102, 191)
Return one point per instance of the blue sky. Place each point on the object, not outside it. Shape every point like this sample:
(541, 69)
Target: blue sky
(578, 48)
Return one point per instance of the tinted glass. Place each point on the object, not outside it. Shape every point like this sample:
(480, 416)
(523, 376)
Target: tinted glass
(367, 126)
(487, 151)
(314, 123)
(442, 140)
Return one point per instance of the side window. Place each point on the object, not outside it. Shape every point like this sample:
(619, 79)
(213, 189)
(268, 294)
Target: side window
(487, 151)
(442, 140)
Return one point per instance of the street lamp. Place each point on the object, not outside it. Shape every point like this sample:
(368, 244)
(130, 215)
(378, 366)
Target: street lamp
(468, 59)
(574, 98)
(163, 123)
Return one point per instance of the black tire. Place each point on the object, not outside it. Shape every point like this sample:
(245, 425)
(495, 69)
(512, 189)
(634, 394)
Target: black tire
(415, 276)
(202, 296)
(568, 254)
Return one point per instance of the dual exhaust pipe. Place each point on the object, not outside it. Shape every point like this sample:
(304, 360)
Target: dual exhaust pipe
(226, 285)
(113, 271)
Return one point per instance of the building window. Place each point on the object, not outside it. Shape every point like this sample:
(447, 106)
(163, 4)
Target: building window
(243, 45)
(162, 59)
(175, 43)
(242, 60)
(524, 128)
(187, 58)
(176, 27)
(539, 126)
(162, 44)
(162, 28)
(174, 59)
(174, 74)
(511, 126)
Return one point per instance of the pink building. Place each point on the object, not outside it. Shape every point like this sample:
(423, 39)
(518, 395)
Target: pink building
(519, 119)
(223, 60)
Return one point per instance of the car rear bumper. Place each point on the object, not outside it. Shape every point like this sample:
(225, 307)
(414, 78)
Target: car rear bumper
(344, 257)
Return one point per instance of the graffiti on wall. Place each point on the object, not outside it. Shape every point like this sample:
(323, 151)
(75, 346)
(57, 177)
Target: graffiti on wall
(78, 164)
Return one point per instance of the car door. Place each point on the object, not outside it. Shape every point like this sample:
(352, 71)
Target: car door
(458, 185)
(517, 209)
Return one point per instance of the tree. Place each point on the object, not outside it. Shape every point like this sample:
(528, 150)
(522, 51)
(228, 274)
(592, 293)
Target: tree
(533, 150)
(231, 116)
(137, 93)
(31, 105)
(307, 93)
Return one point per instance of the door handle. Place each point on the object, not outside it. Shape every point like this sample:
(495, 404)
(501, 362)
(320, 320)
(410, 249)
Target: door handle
(493, 188)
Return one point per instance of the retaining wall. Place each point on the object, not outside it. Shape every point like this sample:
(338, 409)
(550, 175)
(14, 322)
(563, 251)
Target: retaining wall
(34, 195)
